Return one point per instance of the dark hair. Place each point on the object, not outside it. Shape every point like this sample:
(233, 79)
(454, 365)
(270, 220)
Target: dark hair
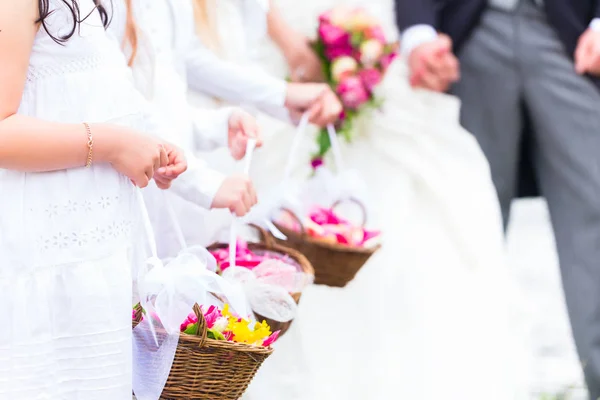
(73, 6)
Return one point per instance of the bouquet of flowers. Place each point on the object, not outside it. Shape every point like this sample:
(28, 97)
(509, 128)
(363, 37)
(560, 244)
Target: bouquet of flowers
(223, 325)
(324, 224)
(355, 55)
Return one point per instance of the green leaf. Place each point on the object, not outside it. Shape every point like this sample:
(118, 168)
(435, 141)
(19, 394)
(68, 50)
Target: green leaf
(323, 142)
(191, 329)
(356, 39)
(215, 335)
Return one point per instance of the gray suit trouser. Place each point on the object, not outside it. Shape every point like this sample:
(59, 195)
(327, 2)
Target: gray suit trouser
(515, 59)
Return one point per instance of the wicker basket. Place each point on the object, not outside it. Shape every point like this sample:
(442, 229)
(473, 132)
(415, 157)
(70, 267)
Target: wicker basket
(267, 244)
(206, 369)
(335, 264)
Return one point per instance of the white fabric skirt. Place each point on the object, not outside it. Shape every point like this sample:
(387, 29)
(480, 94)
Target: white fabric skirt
(65, 331)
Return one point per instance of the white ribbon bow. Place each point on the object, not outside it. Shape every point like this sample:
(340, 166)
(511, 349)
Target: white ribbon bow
(268, 289)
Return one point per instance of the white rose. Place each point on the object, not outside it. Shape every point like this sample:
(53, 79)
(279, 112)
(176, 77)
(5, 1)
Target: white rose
(220, 324)
(341, 66)
(370, 52)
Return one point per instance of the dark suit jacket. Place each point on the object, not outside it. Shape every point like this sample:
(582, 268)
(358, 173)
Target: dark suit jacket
(458, 18)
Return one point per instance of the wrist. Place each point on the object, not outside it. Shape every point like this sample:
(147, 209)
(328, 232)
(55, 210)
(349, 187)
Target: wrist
(414, 37)
(106, 141)
(292, 45)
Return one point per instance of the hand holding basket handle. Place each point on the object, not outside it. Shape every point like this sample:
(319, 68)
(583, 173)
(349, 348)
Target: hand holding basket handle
(335, 264)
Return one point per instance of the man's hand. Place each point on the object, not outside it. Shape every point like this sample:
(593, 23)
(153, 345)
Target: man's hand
(242, 126)
(433, 66)
(317, 99)
(587, 53)
(237, 194)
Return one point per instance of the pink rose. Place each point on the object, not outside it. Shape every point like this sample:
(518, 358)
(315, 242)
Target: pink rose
(376, 33)
(352, 92)
(370, 52)
(387, 59)
(370, 78)
(325, 18)
(339, 51)
(333, 36)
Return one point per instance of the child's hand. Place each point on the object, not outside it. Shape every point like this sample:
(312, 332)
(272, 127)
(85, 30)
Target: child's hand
(242, 126)
(237, 194)
(133, 154)
(317, 99)
(175, 166)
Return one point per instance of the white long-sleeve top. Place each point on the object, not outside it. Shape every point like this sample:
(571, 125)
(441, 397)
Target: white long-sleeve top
(170, 58)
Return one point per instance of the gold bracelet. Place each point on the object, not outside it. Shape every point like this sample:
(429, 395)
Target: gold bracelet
(90, 145)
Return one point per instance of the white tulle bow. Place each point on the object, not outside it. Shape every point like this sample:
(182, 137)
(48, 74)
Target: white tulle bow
(268, 287)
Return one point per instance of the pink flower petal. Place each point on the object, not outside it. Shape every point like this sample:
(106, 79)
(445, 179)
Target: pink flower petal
(271, 339)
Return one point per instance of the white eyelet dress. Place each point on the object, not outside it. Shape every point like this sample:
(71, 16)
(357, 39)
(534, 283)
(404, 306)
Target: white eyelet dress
(66, 237)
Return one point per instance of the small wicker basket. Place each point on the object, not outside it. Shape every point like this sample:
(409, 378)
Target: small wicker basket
(207, 369)
(268, 245)
(335, 264)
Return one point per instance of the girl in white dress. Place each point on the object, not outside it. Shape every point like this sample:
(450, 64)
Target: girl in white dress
(66, 230)
(157, 50)
(429, 317)
(166, 56)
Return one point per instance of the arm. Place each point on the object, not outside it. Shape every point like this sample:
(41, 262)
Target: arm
(29, 144)
(208, 188)
(199, 184)
(303, 62)
(285, 37)
(210, 127)
(207, 73)
(416, 21)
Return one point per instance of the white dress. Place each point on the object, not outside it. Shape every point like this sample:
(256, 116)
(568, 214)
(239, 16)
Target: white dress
(432, 315)
(66, 236)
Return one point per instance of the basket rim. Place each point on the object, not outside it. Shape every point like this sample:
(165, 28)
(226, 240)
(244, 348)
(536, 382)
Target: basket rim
(300, 258)
(328, 245)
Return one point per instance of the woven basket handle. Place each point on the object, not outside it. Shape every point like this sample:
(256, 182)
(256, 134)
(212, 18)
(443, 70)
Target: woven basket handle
(297, 218)
(264, 236)
(202, 327)
(354, 200)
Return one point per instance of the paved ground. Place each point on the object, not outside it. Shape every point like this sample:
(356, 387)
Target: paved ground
(535, 266)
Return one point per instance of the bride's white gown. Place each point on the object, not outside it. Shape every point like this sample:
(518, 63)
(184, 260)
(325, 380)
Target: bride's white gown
(429, 317)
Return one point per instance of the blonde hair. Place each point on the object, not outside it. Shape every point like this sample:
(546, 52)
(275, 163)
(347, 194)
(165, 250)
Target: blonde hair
(131, 32)
(205, 18)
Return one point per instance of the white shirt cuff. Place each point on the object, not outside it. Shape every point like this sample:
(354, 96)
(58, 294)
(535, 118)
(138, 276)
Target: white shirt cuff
(595, 25)
(199, 184)
(415, 36)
